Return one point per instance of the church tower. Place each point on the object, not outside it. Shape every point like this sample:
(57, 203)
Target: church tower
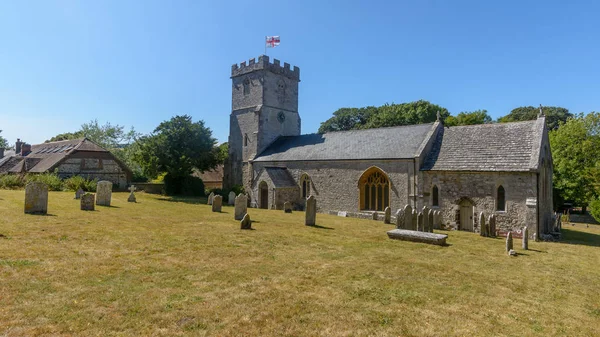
(264, 106)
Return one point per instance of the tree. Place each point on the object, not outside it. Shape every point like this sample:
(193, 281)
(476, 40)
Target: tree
(66, 136)
(223, 152)
(107, 136)
(469, 118)
(177, 147)
(554, 115)
(3, 142)
(417, 112)
(576, 154)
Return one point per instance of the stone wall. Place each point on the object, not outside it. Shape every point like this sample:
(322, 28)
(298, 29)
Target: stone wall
(481, 189)
(95, 168)
(335, 183)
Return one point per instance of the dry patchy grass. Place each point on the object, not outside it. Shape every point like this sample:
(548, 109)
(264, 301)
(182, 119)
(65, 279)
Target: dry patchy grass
(172, 267)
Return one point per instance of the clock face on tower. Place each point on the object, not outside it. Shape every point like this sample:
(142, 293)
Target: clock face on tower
(281, 117)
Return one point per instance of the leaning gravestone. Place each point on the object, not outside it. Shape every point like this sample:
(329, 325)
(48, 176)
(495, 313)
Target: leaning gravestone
(525, 239)
(483, 227)
(415, 220)
(88, 202)
(231, 198)
(246, 223)
(311, 211)
(241, 206)
(79, 193)
(430, 221)
(217, 203)
(287, 207)
(420, 222)
(509, 242)
(211, 197)
(387, 218)
(103, 193)
(36, 198)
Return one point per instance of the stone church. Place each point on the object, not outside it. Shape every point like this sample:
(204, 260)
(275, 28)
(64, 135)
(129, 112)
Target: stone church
(504, 169)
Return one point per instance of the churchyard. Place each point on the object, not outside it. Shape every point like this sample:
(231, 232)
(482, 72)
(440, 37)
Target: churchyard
(166, 266)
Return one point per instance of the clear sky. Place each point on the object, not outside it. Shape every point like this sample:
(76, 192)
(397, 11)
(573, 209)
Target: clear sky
(137, 63)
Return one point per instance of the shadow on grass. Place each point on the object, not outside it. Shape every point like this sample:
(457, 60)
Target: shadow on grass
(580, 238)
(321, 227)
(104, 206)
(41, 214)
(187, 200)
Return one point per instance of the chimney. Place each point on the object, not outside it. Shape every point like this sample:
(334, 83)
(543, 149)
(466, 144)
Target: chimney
(1, 152)
(18, 146)
(25, 149)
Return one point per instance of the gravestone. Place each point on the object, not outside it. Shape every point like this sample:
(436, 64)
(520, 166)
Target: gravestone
(241, 206)
(509, 241)
(525, 239)
(231, 198)
(311, 211)
(406, 220)
(246, 223)
(79, 193)
(483, 231)
(131, 195)
(287, 207)
(88, 202)
(425, 212)
(217, 203)
(420, 222)
(408, 235)
(211, 196)
(343, 214)
(400, 219)
(440, 219)
(103, 193)
(387, 219)
(36, 198)
(415, 221)
(492, 225)
(430, 221)
(375, 215)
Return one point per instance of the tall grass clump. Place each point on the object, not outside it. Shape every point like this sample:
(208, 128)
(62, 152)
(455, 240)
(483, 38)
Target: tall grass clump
(11, 181)
(51, 179)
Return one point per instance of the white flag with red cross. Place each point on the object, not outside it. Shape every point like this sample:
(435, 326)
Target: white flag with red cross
(272, 41)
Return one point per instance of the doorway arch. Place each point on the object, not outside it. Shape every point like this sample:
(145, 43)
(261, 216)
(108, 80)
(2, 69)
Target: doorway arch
(263, 195)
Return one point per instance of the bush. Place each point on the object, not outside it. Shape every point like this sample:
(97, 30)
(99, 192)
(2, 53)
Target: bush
(595, 209)
(51, 179)
(187, 186)
(237, 189)
(74, 183)
(11, 181)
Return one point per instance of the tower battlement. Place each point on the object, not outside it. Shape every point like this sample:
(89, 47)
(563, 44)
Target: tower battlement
(263, 63)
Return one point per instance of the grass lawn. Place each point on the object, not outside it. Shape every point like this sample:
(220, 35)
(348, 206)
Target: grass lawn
(165, 267)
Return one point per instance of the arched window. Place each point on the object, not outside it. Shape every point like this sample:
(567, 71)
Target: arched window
(501, 199)
(305, 184)
(435, 198)
(246, 86)
(374, 190)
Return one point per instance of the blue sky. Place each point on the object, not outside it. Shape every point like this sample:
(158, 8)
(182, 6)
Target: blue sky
(137, 63)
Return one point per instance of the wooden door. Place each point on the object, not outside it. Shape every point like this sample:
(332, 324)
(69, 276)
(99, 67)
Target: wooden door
(264, 195)
(466, 218)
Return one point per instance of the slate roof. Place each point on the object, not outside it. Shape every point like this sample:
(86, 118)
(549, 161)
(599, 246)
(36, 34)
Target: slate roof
(487, 147)
(382, 143)
(280, 177)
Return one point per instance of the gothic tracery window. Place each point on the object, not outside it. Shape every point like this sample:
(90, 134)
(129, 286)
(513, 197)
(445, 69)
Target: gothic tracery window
(375, 190)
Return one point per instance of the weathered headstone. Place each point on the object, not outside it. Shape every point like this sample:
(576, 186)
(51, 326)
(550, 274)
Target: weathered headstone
(409, 235)
(430, 221)
(420, 222)
(509, 241)
(88, 202)
(287, 207)
(483, 230)
(525, 239)
(131, 195)
(241, 206)
(492, 225)
(103, 193)
(406, 220)
(512, 252)
(231, 198)
(387, 218)
(425, 212)
(36, 198)
(415, 220)
(211, 196)
(79, 193)
(400, 219)
(311, 211)
(375, 216)
(246, 223)
(217, 203)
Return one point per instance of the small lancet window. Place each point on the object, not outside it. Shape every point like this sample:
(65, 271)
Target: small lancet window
(435, 199)
(305, 181)
(501, 199)
(246, 86)
(245, 139)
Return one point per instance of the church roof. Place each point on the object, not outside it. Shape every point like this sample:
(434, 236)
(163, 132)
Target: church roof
(280, 177)
(382, 143)
(487, 147)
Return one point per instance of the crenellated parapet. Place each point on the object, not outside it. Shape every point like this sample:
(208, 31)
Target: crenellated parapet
(263, 63)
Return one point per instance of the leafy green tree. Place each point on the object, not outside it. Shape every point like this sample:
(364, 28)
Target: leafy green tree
(177, 147)
(576, 154)
(469, 118)
(3, 142)
(223, 152)
(386, 115)
(66, 136)
(554, 115)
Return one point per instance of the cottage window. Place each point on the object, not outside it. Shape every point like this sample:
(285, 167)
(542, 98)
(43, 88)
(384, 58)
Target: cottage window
(305, 182)
(435, 199)
(501, 199)
(374, 190)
